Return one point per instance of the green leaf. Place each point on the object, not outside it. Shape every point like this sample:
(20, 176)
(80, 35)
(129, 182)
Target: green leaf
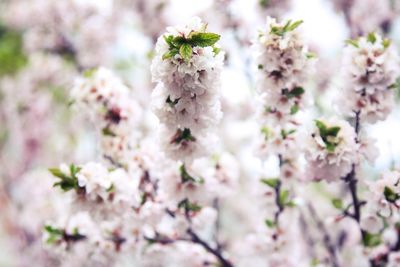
(12, 56)
(185, 176)
(294, 109)
(386, 43)
(315, 262)
(321, 127)
(284, 197)
(289, 26)
(52, 230)
(172, 103)
(106, 131)
(285, 133)
(178, 41)
(290, 204)
(55, 234)
(204, 39)
(189, 206)
(326, 132)
(330, 147)
(337, 203)
(311, 55)
(183, 135)
(390, 195)
(57, 173)
(170, 54)
(264, 3)
(111, 188)
(186, 52)
(352, 42)
(216, 50)
(295, 92)
(271, 182)
(333, 131)
(294, 25)
(89, 73)
(74, 169)
(266, 132)
(371, 240)
(371, 37)
(270, 223)
(168, 39)
(67, 182)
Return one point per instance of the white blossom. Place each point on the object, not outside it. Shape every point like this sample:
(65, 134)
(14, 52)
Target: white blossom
(330, 156)
(110, 103)
(283, 63)
(186, 99)
(370, 70)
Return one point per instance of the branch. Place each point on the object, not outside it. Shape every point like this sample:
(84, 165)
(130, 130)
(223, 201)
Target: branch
(216, 205)
(197, 240)
(278, 194)
(351, 180)
(327, 239)
(278, 202)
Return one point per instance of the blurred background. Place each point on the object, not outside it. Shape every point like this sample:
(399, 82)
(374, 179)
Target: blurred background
(45, 44)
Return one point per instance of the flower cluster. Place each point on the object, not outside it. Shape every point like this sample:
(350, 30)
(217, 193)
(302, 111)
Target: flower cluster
(187, 69)
(96, 183)
(283, 63)
(115, 111)
(307, 199)
(370, 70)
(386, 196)
(331, 150)
(101, 205)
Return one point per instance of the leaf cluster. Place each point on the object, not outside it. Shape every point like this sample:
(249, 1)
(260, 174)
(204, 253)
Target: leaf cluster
(288, 27)
(67, 182)
(184, 45)
(327, 134)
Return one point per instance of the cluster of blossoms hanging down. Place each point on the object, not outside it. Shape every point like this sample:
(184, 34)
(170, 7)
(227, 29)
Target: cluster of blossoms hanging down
(336, 149)
(186, 68)
(370, 68)
(108, 101)
(284, 64)
(331, 150)
(94, 227)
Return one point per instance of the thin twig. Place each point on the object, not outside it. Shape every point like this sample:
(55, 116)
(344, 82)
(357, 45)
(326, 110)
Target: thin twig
(326, 237)
(351, 180)
(278, 203)
(278, 194)
(216, 205)
(196, 239)
(307, 235)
